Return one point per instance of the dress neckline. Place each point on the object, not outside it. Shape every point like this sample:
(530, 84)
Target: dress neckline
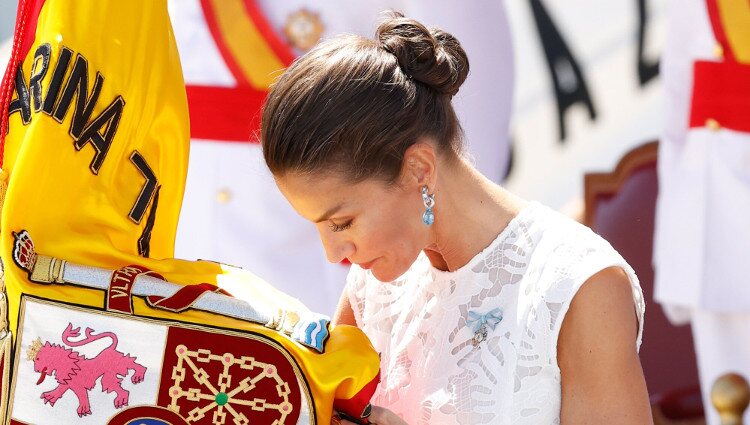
(512, 224)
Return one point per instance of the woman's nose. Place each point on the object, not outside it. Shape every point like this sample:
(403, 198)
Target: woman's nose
(337, 249)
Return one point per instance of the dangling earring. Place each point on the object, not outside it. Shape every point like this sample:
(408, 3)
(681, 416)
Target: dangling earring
(429, 201)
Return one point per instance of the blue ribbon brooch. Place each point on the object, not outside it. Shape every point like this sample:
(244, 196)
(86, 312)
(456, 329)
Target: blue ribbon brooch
(480, 322)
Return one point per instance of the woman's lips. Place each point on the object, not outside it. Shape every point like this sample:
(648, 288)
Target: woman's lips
(367, 265)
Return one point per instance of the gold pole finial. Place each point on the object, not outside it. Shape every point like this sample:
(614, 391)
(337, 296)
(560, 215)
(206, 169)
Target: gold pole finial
(730, 395)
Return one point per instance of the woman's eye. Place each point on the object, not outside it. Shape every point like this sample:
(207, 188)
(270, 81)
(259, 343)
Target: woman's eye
(340, 227)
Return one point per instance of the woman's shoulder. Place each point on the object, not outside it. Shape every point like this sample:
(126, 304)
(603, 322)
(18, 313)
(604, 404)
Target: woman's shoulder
(564, 243)
(566, 255)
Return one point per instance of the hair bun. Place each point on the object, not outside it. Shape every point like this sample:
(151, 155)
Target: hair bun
(431, 56)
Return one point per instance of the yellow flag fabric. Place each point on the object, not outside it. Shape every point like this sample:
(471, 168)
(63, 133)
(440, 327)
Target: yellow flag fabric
(95, 158)
(97, 145)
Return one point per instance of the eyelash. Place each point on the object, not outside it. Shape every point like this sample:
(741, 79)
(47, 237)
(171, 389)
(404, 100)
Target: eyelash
(340, 227)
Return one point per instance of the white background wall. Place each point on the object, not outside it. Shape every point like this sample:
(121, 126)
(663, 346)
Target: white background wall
(7, 18)
(603, 38)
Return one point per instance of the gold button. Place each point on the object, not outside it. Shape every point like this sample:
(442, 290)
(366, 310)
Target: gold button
(712, 124)
(718, 51)
(303, 29)
(223, 196)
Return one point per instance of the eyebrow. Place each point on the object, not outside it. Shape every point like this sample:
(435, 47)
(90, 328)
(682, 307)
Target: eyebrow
(327, 215)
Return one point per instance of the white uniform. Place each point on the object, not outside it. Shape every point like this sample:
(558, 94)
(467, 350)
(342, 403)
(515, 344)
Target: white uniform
(702, 229)
(232, 209)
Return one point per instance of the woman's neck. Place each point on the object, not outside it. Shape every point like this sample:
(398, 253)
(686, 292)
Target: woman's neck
(470, 212)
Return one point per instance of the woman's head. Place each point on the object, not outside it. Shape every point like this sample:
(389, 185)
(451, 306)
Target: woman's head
(353, 129)
(353, 106)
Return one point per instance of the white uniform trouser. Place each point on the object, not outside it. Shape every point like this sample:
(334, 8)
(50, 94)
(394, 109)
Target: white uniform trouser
(722, 345)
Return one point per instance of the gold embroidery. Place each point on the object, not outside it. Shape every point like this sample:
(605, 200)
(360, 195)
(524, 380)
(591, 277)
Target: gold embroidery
(303, 29)
(47, 270)
(224, 397)
(34, 348)
(5, 348)
(3, 187)
(26, 299)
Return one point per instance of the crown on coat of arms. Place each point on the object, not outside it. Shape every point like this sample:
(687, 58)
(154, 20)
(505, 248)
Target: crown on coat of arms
(34, 348)
(23, 250)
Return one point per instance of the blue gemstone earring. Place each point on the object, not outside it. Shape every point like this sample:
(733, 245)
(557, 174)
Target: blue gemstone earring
(429, 201)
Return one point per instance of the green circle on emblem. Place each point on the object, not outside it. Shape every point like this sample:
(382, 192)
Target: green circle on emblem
(222, 399)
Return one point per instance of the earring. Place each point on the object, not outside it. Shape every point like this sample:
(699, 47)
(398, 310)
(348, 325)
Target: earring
(429, 201)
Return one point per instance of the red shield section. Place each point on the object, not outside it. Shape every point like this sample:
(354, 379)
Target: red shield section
(213, 377)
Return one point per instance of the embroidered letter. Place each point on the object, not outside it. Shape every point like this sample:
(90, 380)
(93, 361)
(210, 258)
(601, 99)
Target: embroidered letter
(148, 190)
(57, 79)
(38, 71)
(22, 103)
(108, 120)
(78, 84)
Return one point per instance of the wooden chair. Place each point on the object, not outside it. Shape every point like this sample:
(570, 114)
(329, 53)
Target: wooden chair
(620, 206)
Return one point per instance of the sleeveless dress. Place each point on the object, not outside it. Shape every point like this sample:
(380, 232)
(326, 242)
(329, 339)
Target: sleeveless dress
(446, 356)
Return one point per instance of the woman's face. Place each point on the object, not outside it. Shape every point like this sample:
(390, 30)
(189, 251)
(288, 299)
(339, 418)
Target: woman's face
(376, 226)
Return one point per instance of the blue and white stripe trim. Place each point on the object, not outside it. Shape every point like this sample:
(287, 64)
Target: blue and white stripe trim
(312, 331)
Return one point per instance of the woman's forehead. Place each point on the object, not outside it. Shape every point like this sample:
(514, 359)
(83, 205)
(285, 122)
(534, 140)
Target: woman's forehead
(312, 196)
(302, 184)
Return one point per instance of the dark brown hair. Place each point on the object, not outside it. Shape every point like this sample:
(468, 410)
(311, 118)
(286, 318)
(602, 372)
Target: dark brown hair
(354, 105)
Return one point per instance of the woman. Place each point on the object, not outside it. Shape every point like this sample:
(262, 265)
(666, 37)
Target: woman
(486, 308)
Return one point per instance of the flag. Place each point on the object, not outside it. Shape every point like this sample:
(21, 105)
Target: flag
(95, 145)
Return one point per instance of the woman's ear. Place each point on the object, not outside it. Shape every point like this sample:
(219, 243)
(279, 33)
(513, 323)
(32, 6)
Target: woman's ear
(420, 165)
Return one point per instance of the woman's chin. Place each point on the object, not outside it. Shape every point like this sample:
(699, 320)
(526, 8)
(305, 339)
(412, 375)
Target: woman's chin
(384, 275)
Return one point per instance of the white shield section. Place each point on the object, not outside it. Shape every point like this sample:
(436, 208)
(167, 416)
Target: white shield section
(139, 339)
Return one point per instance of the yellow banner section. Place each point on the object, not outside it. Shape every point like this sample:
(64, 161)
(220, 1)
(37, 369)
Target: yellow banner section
(98, 137)
(248, 45)
(97, 154)
(735, 18)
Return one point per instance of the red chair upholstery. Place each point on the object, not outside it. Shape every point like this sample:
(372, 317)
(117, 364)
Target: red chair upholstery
(620, 206)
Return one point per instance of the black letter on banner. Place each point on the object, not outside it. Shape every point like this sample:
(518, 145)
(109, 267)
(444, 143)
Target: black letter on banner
(108, 120)
(144, 242)
(42, 53)
(570, 86)
(22, 103)
(147, 192)
(57, 79)
(78, 84)
(647, 70)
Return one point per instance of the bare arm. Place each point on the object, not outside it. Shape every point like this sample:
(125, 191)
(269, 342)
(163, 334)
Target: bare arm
(344, 314)
(602, 378)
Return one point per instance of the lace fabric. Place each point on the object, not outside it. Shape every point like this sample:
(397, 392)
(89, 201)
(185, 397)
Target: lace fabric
(434, 372)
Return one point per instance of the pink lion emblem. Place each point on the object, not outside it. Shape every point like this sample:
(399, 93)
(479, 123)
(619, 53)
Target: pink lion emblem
(78, 373)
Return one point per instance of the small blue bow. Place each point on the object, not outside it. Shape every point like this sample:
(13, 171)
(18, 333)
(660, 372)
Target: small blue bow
(490, 319)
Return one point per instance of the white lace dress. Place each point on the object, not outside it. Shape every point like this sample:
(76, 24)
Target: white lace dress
(424, 323)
